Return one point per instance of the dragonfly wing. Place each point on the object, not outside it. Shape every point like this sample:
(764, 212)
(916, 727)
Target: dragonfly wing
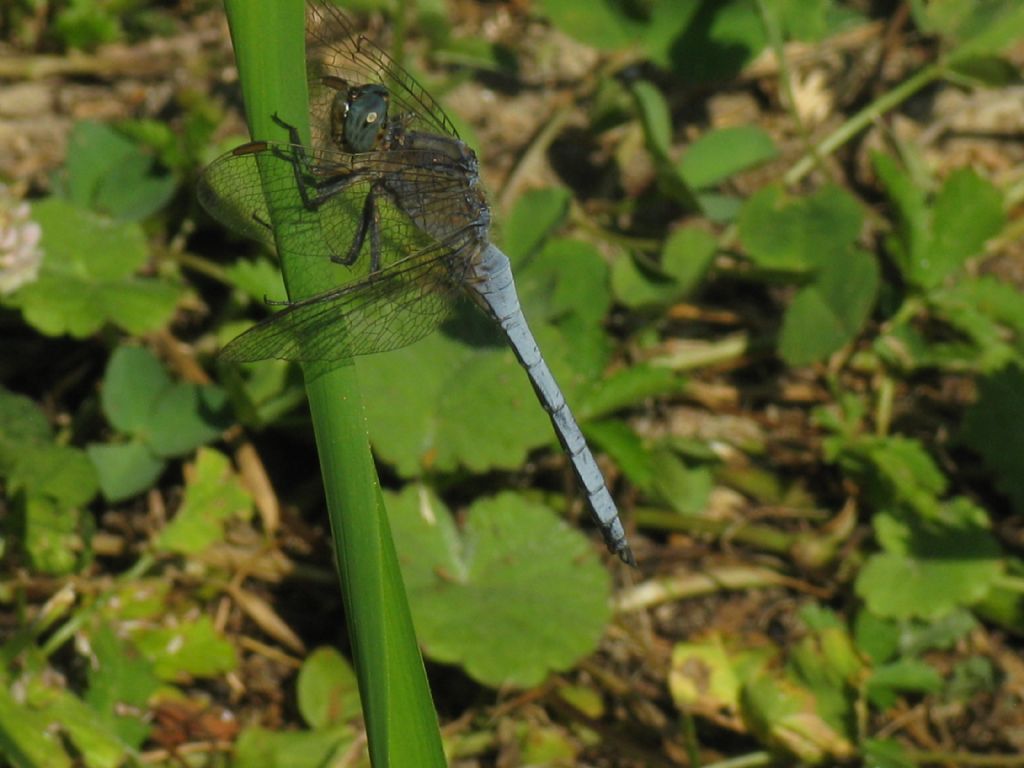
(426, 228)
(337, 50)
(421, 201)
(320, 200)
(236, 189)
(231, 191)
(386, 310)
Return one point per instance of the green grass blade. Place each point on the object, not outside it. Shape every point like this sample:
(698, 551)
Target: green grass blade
(401, 724)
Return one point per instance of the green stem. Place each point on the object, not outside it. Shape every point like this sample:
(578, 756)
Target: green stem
(863, 119)
(938, 757)
(401, 725)
(770, 20)
(752, 760)
(758, 536)
(1010, 583)
(203, 267)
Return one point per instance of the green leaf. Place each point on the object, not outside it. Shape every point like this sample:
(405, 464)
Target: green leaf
(630, 453)
(719, 208)
(722, 153)
(826, 662)
(535, 216)
(213, 495)
(124, 469)
(86, 276)
(132, 383)
(805, 19)
(799, 234)
(978, 325)
(171, 418)
(1003, 607)
(931, 245)
(21, 421)
(942, 634)
(911, 212)
(627, 387)
(259, 748)
(186, 416)
(886, 753)
(566, 286)
(639, 284)
(893, 471)
(930, 567)
(656, 119)
(685, 259)
(85, 25)
(143, 599)
(944, 17)
(327, 690)
(120, 684)
(52, 537)
(603, 24)
(26, 736)
(266, 393)
(704, 42)
(972, 676)
(685, 489)
(657, 124)
(984, 28)
(549, 745)
(986, 69)
(58, 472)
(463, 406)
(994, 428)
(830, 312)
(903, 675)
(968, 211)
(259, 279)
(567, 279)
(786, 715)
(514, 596)
(707, 677)
(33, 464)
(113, 175)
(97, 744)
(1000, 300)
(877, 637)
(190, 649)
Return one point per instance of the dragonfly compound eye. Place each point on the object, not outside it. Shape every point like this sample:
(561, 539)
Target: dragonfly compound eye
(366, 117)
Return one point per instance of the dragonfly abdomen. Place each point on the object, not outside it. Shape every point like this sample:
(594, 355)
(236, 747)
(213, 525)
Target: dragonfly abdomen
(495, 288)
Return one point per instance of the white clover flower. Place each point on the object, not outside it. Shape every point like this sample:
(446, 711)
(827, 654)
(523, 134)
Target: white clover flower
(20, 254)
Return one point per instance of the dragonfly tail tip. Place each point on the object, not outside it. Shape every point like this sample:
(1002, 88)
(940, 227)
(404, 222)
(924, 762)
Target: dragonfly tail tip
(626, 554)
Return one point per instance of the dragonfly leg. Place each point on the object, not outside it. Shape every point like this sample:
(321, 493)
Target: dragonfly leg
(374, 219)
(315, 185)
(365, 222)
(293, 132)
(369, 221)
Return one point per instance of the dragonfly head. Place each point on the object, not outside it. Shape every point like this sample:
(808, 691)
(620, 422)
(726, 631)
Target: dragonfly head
(358, 116)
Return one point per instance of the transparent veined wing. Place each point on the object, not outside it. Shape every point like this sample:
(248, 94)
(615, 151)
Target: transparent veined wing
(320, 201)
(383, 311)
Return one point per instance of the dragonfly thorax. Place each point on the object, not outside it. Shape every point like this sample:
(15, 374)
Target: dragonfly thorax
(358, 117)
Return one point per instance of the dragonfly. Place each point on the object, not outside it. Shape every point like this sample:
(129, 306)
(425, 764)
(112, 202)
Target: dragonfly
(388, 191)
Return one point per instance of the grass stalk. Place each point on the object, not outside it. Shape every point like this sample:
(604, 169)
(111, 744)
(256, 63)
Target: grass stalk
(269, 40)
